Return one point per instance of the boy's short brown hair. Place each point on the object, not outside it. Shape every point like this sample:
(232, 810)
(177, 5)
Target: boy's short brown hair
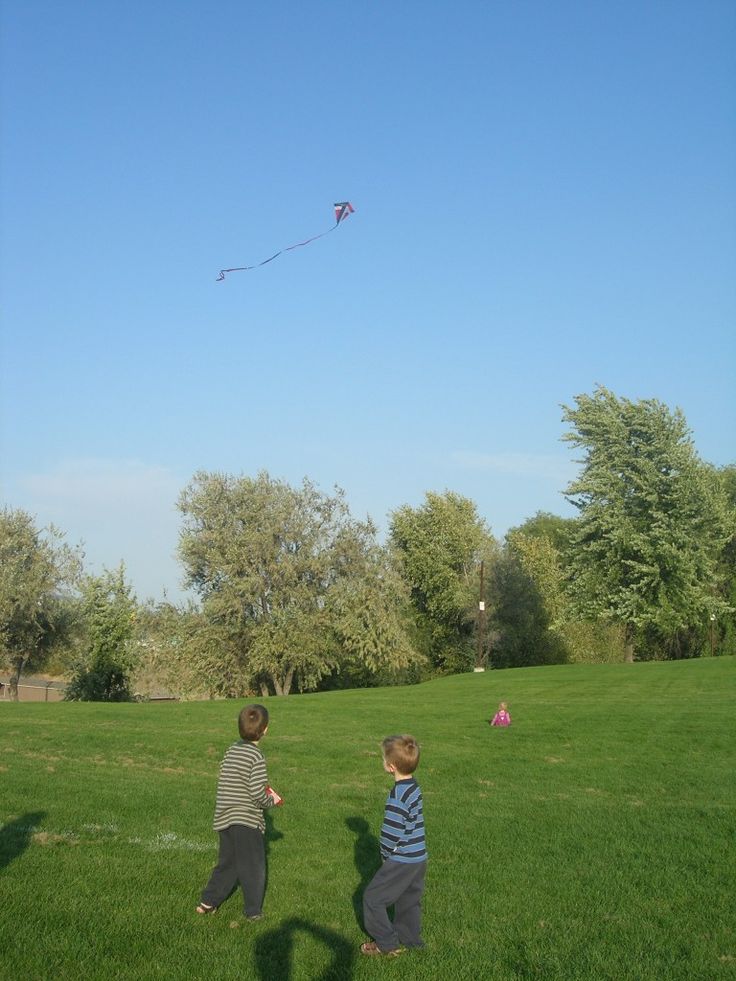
(252, 722)
(401, 752)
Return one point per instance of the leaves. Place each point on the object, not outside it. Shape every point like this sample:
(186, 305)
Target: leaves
(652, 516)
(37, 572)
(440, 546)
(290, 575)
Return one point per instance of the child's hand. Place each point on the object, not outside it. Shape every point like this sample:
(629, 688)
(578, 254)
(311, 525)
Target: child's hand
(278, 801)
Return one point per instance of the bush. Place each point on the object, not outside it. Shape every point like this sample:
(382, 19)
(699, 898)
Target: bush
(100, 683)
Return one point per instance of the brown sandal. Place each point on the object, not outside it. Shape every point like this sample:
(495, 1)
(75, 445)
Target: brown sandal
(204, 908)
(373, 950)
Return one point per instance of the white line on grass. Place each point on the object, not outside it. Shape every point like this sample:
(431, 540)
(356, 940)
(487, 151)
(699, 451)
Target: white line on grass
(163, 842)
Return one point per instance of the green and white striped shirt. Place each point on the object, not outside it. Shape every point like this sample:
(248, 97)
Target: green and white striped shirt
(241, 788)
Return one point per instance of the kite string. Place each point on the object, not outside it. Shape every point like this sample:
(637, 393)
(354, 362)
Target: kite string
(297, 245)
(312, 239)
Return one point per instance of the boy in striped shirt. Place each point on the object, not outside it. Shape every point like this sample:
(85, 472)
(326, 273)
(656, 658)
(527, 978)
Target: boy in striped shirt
(242, 796)
(400, 880)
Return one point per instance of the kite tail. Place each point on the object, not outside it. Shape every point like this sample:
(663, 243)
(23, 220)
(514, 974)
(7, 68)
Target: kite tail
(342, 210)
(246, 268)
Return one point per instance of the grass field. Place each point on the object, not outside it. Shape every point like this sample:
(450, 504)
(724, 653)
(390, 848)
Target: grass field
(594, 839)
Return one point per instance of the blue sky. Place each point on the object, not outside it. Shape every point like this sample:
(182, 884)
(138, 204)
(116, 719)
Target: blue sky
(545, 200)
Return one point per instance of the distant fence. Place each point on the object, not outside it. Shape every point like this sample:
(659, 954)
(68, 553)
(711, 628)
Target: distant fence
(35, 691)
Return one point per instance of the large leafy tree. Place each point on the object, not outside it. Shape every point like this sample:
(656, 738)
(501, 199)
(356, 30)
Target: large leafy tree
(108, 618)
(652, 519)
(38, 572)
(441, 545)
(270, 563)
(370, 613)
(180, 650)
(520, 619)
(556, 530)
(722, 631)
(537, 622)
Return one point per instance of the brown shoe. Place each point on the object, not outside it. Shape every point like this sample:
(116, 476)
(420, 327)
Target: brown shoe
(372, 949)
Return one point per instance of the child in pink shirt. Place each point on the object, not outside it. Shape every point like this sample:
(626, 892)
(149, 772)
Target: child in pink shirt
(502, 717)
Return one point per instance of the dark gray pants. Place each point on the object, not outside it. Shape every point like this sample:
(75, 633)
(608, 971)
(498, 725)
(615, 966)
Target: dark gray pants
(401, 885)
(242, 859)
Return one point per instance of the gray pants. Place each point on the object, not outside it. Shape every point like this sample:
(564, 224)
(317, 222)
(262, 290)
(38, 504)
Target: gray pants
(401, 885)
(242, 859)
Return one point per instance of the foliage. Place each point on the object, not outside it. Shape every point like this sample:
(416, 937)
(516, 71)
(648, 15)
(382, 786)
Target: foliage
(557, 530)
(108, 617)
(722, 631)
(540, 560)
(280, 572)
(557, 634)
(652, 519)
(99, 683)
(369, 613)
(38, 571)
(441, 545)
(522, 623)
(182, 652)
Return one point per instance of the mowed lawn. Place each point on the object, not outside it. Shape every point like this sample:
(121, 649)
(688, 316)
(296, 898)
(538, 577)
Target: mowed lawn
(593, 839)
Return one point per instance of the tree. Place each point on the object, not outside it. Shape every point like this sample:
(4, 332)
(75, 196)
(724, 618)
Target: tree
(521, 621)
(557, 530)
(652, 518)
(440, 545)
(541, 625)
(37, 572)
(266, 559)
(540, 560)
(108, 622)
(722, 631)
(370, 614)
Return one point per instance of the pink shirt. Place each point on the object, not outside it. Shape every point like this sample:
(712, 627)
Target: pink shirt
(501, 718)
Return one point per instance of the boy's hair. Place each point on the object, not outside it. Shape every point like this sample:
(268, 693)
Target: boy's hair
(401, 752)
(252, 722)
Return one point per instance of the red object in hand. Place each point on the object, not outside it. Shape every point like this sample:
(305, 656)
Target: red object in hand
(278, 801)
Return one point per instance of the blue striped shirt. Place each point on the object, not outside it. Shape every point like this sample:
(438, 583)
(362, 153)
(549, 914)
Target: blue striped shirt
(402, 831)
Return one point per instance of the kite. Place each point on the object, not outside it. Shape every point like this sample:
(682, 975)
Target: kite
(342, 210)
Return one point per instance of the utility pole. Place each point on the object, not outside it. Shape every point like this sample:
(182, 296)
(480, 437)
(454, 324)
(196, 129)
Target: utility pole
(479, 666)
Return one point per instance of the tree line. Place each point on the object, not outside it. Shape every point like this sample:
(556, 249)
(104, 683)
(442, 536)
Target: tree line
(292, 593)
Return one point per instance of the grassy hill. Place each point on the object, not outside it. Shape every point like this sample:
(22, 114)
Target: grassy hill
(591, 840)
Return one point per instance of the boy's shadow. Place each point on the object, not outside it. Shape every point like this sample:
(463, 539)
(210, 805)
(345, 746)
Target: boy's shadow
(271, 835)
(274, 950)
(15, 836)
(367, 860)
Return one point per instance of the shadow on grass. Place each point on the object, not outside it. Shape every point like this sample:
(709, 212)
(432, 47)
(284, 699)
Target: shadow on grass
(270, 836)
(274, 953)
(367, 860)
(16, 835)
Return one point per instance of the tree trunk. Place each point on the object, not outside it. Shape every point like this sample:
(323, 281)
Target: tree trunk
(18, 666)
(264, 689)
(283, 687)
(629, 644)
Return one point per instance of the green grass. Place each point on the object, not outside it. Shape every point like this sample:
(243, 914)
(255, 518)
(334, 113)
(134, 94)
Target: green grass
(591, 840)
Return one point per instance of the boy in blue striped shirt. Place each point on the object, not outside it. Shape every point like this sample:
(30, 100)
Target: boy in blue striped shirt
(400, 880)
